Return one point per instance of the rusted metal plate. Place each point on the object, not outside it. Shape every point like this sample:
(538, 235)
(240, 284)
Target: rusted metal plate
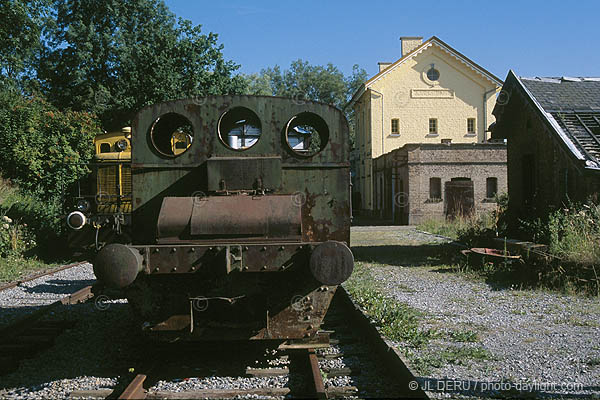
(245, 257)
(299, 317)
(243, 173)
(243, 216)
(174, 217)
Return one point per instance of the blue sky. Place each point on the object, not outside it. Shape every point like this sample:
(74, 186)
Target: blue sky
(534, 38)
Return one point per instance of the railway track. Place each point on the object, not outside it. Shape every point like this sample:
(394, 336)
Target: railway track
(357, 362)
(30, 278)
(32, 333)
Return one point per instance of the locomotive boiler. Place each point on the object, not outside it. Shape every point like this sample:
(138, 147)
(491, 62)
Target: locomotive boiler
(243, 231)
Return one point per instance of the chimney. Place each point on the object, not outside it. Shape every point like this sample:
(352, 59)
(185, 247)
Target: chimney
(383, 65)
(409, 43)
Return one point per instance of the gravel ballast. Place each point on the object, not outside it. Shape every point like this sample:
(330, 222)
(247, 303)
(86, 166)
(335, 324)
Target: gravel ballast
(527, 342)
(29, 296)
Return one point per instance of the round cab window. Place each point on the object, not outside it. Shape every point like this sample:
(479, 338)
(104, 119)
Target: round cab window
(172, 134)
(306, 134)
(239, 128)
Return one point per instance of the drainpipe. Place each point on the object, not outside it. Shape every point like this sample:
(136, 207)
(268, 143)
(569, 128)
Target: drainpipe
(382, 122)
(485, 95)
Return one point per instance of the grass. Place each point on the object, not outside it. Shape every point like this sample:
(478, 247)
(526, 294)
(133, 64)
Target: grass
(464, 336)
(14, 268)
(450, 355)
(397, 321)
(573, 238)
(402, 323)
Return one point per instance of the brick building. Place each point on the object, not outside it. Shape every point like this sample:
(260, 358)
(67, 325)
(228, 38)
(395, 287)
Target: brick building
(431, 181)
(431, 94)
(552, 126)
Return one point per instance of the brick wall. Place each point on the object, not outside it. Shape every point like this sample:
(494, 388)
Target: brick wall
(415, 164)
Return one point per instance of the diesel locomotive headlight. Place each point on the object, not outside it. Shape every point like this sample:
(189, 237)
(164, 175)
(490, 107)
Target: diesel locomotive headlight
(122, 145)
(76, 220)
(83, 205)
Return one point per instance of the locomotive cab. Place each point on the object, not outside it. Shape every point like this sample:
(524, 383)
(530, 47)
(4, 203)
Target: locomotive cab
(240, 218)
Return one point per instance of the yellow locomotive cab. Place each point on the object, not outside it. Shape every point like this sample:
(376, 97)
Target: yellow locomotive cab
(113, 174)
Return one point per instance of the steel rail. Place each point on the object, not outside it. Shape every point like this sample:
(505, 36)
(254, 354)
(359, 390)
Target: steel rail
(39, 275)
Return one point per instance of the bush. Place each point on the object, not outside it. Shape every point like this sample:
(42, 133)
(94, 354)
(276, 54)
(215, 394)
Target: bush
(44, 150)
(574, 234)
(473, 230)
(27, 225)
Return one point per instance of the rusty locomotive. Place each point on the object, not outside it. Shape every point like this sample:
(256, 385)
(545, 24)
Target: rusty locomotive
(242, 233)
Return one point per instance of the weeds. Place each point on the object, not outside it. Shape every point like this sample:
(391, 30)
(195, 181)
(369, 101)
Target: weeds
(464, 336)
(397, 321)
(24, 223)
(450, 355)
(572, 235)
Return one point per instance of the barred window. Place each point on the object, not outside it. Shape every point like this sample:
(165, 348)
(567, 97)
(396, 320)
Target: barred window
(433, 126)
(395, 126)
(470, 125)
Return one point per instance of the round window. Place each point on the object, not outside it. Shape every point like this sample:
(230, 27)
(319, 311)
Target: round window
(433, 74)
(171, 134)
(239, 128)
(306, 134)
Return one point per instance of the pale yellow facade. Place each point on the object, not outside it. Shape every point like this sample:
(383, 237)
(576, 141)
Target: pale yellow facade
(395, 106)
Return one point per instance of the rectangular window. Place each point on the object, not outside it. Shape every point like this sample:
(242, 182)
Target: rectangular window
(491, 185)
(395, 126)
(433, 126)
(435, 188)
(471, 126)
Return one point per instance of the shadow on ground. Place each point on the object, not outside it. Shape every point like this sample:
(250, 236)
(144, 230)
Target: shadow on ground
(408, 255)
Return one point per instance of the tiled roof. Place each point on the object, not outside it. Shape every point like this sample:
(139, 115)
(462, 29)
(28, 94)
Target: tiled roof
(565, 94)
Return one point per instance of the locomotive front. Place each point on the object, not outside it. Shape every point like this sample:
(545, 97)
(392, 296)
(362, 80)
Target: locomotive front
(241, 229)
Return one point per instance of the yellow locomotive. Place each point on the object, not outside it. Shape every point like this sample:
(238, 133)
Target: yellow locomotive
(102, 206)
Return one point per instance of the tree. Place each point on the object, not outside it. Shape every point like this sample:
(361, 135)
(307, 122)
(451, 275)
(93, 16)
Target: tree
(19, 37)
(113, 57)
(303, 81)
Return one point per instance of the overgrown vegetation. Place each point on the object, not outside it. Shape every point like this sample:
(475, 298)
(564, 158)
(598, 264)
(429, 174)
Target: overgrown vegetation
(472, 230)
(572, 235)
(457, 355)
(26, 237)
(397, 321)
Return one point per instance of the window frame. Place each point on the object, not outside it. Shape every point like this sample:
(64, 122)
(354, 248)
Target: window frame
(435, 183)
(437, 127)
(488, 180)
(474, 122)
(397, 123)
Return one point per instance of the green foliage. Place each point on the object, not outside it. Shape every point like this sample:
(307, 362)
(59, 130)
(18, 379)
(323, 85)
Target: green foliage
(113, 57)
(464, 336)
(397, 321)
(450, 355)
(15, 239)
(473, 230)
(574, 233)
(43, 149)
(36, 223)
(19, 36)
(303, 81)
